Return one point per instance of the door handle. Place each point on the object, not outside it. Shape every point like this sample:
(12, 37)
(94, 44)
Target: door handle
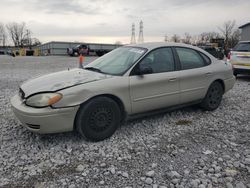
(209, 73)
(172, 79)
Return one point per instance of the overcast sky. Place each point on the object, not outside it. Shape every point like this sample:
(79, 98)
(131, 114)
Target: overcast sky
(110, 20)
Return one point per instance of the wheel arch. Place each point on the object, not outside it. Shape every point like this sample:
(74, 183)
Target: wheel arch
(221, 82)
(114, 98)
(207, 103)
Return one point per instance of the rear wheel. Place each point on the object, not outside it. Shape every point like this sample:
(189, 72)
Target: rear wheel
(213, 97)
(235, 73)
(98, 119)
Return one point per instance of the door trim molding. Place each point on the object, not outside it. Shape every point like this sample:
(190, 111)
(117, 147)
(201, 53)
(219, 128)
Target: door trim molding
(155, 96)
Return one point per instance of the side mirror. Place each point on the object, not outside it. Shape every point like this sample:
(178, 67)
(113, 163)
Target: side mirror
(144, 70)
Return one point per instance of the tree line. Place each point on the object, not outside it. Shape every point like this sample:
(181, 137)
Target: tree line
(228, 31)
(19, 35)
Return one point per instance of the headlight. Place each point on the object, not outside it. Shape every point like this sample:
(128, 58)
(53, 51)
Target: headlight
(43, 99)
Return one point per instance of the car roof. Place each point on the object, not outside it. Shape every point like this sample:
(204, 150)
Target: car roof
(247, 41)
(206, 47)
(153, 45)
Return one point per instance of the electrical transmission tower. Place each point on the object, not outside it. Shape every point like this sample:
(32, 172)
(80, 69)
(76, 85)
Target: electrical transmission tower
(133, 35)
(140, 38)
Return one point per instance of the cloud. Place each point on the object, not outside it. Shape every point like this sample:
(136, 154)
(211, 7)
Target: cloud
(64, 19)
(65, 7)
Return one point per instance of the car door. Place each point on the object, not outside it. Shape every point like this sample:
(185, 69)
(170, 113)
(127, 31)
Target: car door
(158, 89)
(195, 74)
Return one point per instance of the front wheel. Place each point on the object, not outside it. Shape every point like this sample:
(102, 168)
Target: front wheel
(98, 119)
(213, 97)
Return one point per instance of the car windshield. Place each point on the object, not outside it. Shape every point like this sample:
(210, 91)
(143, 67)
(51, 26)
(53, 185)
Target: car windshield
(242, 47)
(116, 62)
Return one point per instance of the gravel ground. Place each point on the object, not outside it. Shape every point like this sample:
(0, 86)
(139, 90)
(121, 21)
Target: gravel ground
(184, 148)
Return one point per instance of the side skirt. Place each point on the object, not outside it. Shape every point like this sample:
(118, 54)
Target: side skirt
(160, 111)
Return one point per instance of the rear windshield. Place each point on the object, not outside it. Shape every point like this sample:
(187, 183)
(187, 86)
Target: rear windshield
(242, 47)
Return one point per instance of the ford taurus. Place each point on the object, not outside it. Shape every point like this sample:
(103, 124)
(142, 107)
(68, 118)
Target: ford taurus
(130, 80)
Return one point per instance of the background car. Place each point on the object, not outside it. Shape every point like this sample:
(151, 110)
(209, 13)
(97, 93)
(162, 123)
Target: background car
(127, 82)
(91, 49)
(75, 51)
(216, 52)
(2, 52)
(239, 57)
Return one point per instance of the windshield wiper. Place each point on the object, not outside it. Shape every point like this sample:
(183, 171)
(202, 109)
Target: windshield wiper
(93, 69)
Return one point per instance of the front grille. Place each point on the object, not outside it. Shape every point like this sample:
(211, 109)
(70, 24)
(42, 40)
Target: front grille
(33, 126)
(21, 93)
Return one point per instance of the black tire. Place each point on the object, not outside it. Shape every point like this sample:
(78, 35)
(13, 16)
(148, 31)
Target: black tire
(98, 119)
(213, 97)
(98, 53)
(235, 74)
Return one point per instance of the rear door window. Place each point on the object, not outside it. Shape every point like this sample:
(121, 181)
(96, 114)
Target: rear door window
(242, 47)
(189, 58)
(207, 59)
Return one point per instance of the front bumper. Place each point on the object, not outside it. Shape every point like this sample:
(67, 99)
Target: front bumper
(44, 120)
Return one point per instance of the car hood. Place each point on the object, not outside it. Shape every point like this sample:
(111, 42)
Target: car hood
(60, 80)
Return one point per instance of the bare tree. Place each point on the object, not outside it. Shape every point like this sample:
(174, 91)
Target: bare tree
(166, 38)
(187, 38)
(203, 38)
(206, 37)
(27, 40)
(175, 38)
(227, 31)
(195, 40)
(35, 42)
(19, 34)
(234, 39)
(3, 35)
